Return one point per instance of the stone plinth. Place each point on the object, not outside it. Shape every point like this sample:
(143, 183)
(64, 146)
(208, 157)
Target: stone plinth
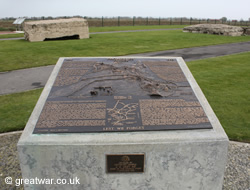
(218, 29)
(53, 29)
(123, 123)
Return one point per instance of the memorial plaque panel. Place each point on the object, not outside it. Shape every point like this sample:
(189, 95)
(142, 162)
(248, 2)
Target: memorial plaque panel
(125, 163)
(120, 94)
(86, 99)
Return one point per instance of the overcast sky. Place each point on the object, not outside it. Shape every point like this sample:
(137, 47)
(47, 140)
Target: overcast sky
(214, 9)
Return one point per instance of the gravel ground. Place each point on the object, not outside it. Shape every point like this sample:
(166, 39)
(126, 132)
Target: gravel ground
(237, 174)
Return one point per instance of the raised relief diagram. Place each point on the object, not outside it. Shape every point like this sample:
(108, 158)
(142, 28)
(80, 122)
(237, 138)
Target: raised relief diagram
(120, 94)
(112, 77)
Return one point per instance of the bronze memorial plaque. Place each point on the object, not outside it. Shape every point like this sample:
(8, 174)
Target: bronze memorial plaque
(120, 95)
(125, 163)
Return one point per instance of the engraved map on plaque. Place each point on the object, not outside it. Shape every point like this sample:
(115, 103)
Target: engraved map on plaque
(119, 95)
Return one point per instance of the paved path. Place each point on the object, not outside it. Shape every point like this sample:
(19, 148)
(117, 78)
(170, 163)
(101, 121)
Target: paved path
(28, 79)
(125, 31)
(7, 32)
(23, 80)
(19, 38)
(109, 32)
(190, 54)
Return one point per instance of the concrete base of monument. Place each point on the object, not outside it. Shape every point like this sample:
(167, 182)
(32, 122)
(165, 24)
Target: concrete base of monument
(159, 160)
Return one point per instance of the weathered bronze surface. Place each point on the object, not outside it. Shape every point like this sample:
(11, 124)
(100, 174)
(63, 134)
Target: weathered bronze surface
(125, 163)
(120, 94)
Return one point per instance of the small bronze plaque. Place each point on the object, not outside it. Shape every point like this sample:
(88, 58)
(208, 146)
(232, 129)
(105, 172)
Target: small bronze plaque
(125, 163)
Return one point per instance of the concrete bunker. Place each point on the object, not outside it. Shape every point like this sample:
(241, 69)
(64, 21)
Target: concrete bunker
(59, 29)
(216, 29)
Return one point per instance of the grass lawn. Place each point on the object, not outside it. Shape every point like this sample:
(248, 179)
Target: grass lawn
(225, 81)
(19, 54)
(122, 28)
(15, 109)
(107, 29)
(2, 36)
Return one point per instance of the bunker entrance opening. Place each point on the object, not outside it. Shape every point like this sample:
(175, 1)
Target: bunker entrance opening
(74, 37)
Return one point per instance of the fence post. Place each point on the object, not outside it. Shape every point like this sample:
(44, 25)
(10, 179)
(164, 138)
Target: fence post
(147, 20)
(133, 20)
(190, 20)
(181, 20)
(118, 21)
(102, 22)
(171, 21)
(159, 20)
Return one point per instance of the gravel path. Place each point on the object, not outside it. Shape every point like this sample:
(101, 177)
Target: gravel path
(237, 174)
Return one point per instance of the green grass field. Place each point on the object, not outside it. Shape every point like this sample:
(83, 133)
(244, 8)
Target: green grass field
(108, 29)
(15, 109)
(224, 80)
(122, 28)
(19, 54)
(3, 36)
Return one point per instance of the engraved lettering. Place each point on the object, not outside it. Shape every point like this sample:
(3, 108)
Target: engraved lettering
(120, 128)
(135, 128)
(125, 163)
(108, 128)
(171, 112)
